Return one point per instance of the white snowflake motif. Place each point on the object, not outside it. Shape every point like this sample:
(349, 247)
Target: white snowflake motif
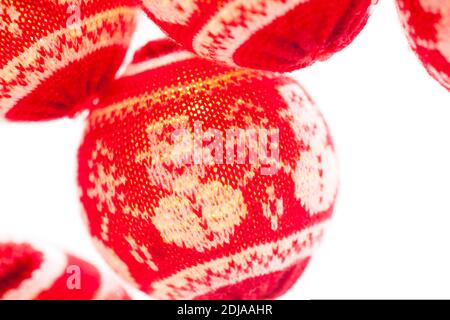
(9, 18)
(316, 180)
(105, 180)
(141, 253)
(273, 215)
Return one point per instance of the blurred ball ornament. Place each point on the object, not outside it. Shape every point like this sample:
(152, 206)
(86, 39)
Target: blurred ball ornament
(204, 181)
(33, 271)
(427, 23)
(55, 54)
(274, 35)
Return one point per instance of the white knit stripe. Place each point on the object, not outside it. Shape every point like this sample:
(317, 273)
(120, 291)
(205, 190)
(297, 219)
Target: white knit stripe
(256, 261)
(28, 59)
(110, 287)
(107, 289)
(172, 11)
(440, 76)
(114, 261)
(220, 38)
(53, 266)
(159, 62)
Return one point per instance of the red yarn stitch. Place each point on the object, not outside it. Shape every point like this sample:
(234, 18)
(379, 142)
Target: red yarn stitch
(275, 35)
(427, 24)
(56, 53)
(38, 272)
(178, 226)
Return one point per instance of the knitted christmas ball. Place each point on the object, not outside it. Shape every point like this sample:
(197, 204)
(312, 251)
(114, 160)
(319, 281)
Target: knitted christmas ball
(205, 181)
(275, 35)
(34, 271)
(427, 23)
(55, 54)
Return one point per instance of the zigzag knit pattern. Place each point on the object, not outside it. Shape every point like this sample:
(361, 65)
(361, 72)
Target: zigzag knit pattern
(204, 181)
(35, 271)
(427, 24)
(55, 54)
(275, 35)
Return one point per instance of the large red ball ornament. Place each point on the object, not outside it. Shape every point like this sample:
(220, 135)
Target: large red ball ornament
(36, 271)
(56, 54)
(275, 35)
(427, 23)
(206, 181)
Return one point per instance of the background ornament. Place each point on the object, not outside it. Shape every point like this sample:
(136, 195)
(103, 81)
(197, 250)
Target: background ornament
(56, 54)
(35, 271)
(427, 24)
(275, 35)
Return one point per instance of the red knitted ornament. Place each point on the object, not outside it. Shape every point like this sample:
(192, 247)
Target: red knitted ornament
(55, 54)
(276, 35)
(31, 271)
(205, 181)
(427, 23)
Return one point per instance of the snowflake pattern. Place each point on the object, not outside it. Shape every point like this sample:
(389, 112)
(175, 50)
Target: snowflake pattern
(141, 253)
(105, 181)
(274, 208)
(316, 180)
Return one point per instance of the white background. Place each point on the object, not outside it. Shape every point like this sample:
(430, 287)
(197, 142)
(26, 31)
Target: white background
(390, 236)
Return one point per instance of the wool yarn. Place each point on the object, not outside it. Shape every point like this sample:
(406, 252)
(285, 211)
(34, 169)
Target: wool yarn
(56, 54)
(274, 35)
(427, 24)
(203, 181)
(30, 270)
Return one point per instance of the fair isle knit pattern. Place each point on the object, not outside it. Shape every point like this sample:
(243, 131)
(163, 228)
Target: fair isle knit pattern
(275, 35)
(56, 54)
(36, 271)
(203, 181)
(427, 23)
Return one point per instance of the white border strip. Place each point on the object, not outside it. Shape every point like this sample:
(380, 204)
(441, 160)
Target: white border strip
(53, 266)
(219, 38)
(258, 261)
(159, 62)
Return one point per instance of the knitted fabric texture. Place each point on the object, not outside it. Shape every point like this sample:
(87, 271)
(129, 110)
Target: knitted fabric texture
(32, 271)
(427, 23)
(55, 54)
(275, 35)
(205, 181)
